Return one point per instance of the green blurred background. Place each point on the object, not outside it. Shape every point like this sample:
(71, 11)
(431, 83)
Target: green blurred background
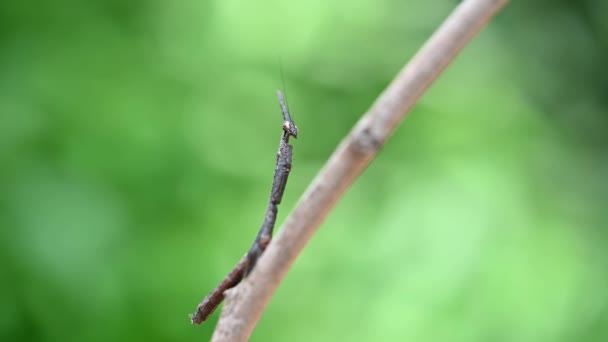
(137, 145)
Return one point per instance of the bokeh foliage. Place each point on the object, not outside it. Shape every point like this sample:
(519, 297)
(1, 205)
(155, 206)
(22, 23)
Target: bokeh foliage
(137, 143)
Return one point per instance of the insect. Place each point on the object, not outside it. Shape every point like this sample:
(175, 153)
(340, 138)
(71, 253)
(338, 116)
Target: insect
(247, 263)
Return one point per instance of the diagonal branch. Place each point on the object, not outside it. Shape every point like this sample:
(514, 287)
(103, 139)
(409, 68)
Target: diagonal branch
(246, 302)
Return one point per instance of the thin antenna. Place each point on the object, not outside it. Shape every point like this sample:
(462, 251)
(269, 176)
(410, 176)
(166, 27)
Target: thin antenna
(283, 81)
(288, 126)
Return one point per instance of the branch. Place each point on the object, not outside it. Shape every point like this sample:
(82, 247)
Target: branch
(246, 302)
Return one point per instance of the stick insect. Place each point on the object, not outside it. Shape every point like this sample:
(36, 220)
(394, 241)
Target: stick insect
(247, 263)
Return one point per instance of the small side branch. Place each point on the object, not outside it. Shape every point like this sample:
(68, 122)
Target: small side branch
(246, 302)
(247, 263)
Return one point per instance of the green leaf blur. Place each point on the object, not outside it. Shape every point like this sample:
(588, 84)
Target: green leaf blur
(137, 145)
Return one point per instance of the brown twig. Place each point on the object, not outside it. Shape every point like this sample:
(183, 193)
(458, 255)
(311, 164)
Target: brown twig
(247, 263)
(215, 298)
(246, 302)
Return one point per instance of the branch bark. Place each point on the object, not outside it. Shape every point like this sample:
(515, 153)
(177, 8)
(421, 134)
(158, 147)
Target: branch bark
(246, 302)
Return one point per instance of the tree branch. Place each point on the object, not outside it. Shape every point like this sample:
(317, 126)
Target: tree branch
(246, 302)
